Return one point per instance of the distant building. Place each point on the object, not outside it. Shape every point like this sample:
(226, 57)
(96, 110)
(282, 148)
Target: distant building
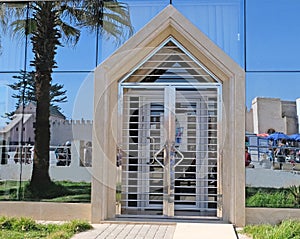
(266, 113)
(61, 130)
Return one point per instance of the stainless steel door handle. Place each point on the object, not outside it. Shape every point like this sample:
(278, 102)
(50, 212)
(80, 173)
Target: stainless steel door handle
(157, 153)
(182, 156)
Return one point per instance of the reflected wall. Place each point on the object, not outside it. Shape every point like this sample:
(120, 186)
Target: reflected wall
(221, 20)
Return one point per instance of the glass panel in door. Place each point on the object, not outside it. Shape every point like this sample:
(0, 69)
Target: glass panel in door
(142, 139)
(169, 142)
(196, 139)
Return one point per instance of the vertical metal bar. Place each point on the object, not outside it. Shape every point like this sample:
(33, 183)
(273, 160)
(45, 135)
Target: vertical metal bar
(120, 116)
(119, 156)
(169, 154)
(219, 152)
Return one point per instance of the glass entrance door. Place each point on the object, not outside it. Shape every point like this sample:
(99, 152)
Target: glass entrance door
(169, 152)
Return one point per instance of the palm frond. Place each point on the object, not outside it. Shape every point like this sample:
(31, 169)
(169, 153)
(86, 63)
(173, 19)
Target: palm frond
(11, 11)
(70, 14)
(118, 8)
(18, 27)
(118, 20)
(70, 34)
(3, 17)
(111, 17)
(112, 30)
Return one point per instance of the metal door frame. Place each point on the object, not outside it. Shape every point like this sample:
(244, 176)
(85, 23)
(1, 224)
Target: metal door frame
(169, 121)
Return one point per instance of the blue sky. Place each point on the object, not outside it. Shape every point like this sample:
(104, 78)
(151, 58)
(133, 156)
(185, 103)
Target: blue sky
(271, 58)
(272, 37)
(273, 49)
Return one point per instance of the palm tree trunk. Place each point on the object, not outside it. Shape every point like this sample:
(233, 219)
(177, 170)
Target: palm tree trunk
(45, 41)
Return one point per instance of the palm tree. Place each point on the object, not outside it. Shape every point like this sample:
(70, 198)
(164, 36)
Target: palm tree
(51, 22)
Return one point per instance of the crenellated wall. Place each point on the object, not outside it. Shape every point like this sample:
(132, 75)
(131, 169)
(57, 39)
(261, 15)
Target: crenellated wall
(69, 130)
(273, 113)
(249, 120)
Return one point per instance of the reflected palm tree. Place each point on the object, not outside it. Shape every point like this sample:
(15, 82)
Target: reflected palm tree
(49, 24)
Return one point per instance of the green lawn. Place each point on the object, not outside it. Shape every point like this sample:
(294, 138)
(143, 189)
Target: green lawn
(273, 197)
(20, 228)
(288, 229)
(66, 192)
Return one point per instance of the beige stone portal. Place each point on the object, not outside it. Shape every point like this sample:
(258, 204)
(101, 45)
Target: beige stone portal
(169, 23)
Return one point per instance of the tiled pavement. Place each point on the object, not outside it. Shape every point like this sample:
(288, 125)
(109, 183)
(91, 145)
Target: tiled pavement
(131, 230)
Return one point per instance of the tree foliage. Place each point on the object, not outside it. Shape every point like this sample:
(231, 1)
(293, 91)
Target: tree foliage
(25, 92)
(49, 23)
(107, 17)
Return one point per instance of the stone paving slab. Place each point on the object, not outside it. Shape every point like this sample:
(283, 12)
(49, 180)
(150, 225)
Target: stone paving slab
(147, 230)
(128, 231)
(204, 231)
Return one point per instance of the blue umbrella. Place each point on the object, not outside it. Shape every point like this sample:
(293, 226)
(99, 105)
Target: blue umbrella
(295, 137)
(277, 136)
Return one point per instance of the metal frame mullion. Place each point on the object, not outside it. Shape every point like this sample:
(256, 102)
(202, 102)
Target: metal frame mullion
(169, 160)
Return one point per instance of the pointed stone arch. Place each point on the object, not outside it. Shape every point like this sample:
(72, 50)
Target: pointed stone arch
(130, 63)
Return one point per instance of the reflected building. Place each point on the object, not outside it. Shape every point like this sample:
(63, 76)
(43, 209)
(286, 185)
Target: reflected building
(171, 99)
(61, 129)
(266, 113)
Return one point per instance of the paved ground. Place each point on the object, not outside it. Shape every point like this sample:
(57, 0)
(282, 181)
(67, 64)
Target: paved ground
(133, 230)
(129, 231)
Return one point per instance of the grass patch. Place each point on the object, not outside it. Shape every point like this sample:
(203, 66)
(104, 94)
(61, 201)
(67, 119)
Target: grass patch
(19, 228)
(288, 229)
(271, 198)
(70, 198)
(61, 191)
(8, 190)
